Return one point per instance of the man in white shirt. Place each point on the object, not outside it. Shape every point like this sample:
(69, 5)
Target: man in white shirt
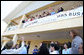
(53, 49)
(9, 49)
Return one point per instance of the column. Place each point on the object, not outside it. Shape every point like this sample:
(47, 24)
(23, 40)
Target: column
(23, 18)
(15, 38)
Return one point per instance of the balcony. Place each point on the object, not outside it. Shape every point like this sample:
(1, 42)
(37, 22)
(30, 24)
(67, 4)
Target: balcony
(65, 19)
(77, 12)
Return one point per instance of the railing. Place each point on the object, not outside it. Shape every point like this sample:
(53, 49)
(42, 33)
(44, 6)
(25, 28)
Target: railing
(56, 17)
(52, 18)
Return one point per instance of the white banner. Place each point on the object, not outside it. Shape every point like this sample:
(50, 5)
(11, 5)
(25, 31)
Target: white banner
(56, 17)
(12, 28)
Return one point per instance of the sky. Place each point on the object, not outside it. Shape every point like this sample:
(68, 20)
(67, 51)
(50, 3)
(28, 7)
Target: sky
(6, 8)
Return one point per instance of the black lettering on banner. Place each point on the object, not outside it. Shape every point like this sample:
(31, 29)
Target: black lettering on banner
(58, 16)
(36, 21)
(65, 14)
(74, 14)
(30, 23)
(78, 13)
(70, 14)
(62, 15)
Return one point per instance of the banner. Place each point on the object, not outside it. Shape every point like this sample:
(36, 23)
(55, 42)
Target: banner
(12, 28)
(56, 17)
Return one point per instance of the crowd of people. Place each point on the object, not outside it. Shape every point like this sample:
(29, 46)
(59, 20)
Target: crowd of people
(74, 47)
(44, 14)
